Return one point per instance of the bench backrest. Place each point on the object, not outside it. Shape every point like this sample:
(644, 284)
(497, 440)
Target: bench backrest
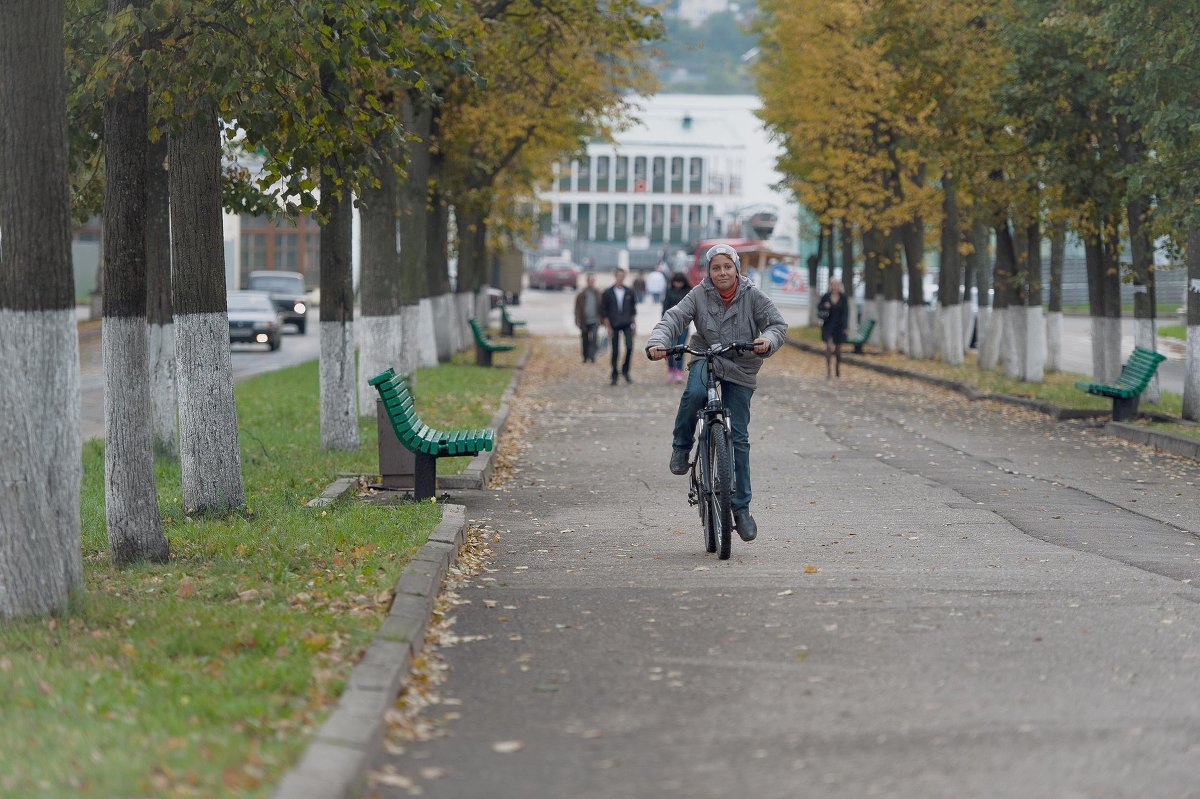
(1138, 370)
(477, 331)
(398, 401)
(866, 327)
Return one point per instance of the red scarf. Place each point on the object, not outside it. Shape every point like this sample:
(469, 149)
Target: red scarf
(727, 298)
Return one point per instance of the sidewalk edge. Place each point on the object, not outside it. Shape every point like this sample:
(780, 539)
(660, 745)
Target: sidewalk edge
(335, 762)
(969, 391)
(1167, 442)
(479, 470)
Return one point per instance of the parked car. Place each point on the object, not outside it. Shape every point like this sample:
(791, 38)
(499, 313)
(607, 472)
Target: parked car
(554, 275)
(287, 292)
(254, 319)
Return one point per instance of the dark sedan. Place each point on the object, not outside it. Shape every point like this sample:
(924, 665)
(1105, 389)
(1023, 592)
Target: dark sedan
(253, 319)
(287, 292)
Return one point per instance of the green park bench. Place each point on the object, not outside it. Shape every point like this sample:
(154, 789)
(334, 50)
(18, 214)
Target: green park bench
(1126, 389)
(507, 323)
(860, 338)
(484, 347)
(426, 443)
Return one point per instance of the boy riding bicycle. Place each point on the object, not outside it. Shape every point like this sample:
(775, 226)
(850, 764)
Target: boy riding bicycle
(726, 307)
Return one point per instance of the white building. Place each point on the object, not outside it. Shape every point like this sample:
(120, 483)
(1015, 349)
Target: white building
(696, 11)
(691, 167)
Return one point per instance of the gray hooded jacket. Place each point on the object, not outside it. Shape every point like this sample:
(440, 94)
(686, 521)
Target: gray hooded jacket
(749, 316)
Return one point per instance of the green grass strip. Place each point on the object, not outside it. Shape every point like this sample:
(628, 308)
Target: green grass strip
(1057, 388)
(205, 676)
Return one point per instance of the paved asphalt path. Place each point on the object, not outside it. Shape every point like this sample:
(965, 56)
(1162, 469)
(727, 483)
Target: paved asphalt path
(947, 599)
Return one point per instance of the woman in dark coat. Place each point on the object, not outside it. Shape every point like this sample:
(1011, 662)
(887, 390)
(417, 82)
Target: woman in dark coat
(677, 289)
(834, 312)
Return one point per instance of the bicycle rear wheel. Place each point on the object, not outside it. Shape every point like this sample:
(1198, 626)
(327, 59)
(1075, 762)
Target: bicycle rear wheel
(721, 479)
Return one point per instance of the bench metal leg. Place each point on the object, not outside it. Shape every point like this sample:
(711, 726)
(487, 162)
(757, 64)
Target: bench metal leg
(1125, 408)
(483, 357)
(858, 348)
(506, 328)
(425, 483)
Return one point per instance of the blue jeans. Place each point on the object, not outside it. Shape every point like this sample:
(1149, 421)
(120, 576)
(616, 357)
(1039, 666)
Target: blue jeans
(676, 361)
(737, 404)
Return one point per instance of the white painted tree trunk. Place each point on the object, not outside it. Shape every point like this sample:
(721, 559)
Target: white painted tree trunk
(467, 310)
(914, 344)
(937, 337)
(209, 456)
(444, 325)
(966, 324)
(40, 471)
(1144, 336)
(130, 497)
(991, 335)
(408, 347)
(1054, 328)
(951, 323)
(160, 357)
(1099, 342)
(893, 311)
(483, 306)
(1191, 378)
(1012, 347)
(339, 416)
(379, 342)
(1035, 344)
(1112, 349)
(429, 333)
(926, 324)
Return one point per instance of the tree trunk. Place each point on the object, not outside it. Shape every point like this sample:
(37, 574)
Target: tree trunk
(413, 203)
(813, 263)
(472, 261)
(208, 433)
(1191, 382)
(893, 290)
(130, 497)
(950, 332)
(1144, 295)
(380, 331)
(848, 275)
(1054, 317)
(1010, 301)
(1112, 300)
(872, 282)
(40, 561)
(339, 416)
(912, 236)
(160, 315)
(1035, 322)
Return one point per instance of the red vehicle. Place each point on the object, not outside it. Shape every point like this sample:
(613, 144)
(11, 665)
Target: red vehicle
(554, 275)
(699, 268)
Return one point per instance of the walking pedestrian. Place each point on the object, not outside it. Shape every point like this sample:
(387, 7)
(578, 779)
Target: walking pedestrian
(618, 311)
(639, 288)
(587, 317)
(676, 291)
(656, 284)
(726, 307)
(834, 312)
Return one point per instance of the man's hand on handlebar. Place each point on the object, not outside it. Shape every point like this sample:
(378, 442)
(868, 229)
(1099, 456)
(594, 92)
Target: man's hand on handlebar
(656, 353)
(761, 346)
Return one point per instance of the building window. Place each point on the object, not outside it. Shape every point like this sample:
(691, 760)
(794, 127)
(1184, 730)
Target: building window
(564, 213)
(639, 220)
(601, 174)
(656, 223)
(658, 169)
(564, 175)
(676, 175)
(620, 216)
(584, 175)
(602, 222)
(695, 176)
(621, 173)
(312, 252)
(286, 250)
(254, 250)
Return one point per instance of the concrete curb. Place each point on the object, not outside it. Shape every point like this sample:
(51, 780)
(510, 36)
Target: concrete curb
(479, 470)
(334, 491)
(335, 763)
(969, 391)
(1167, 442)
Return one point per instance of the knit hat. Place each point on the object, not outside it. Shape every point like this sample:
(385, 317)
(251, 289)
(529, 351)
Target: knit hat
(723, 249)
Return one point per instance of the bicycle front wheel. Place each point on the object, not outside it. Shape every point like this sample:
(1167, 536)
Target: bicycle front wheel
(721, 476)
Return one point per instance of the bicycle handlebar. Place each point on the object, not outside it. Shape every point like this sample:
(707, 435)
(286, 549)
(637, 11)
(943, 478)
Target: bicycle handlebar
(713, 351)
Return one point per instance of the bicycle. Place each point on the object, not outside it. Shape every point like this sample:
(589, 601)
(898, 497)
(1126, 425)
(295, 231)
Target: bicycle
(711, 469)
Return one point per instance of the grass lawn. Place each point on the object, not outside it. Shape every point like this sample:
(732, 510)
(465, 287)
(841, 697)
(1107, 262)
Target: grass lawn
(1058, 388)
(1173, 331)
(205, 676)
